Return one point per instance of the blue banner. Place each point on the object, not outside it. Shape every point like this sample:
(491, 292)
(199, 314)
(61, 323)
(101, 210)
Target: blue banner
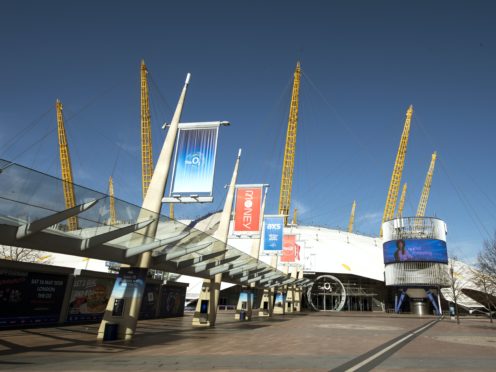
(195, 160)
(243, 297)
(427, 250)
(273, 233)
(279, 299)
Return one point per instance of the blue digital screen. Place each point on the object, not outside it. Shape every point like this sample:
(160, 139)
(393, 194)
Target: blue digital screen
(426, 250)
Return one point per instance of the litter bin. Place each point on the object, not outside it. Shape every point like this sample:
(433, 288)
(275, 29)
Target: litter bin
(110, 332)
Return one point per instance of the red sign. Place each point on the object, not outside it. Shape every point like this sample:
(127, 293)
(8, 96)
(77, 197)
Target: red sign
(290, 250)
(247, 212)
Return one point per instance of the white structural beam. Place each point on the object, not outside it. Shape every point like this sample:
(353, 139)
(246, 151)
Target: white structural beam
(154, 245)
(112, 234)
(173, 253)
(33, 227)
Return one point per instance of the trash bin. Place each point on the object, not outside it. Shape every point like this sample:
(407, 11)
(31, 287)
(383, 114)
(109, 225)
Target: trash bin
(242, 315)
(110, 332)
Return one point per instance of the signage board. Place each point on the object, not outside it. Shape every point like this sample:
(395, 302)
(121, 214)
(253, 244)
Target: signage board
(273, 233)
(425, 250)
(247, 210)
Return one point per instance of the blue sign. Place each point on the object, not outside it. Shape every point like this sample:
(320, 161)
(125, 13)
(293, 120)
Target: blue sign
(130, 283)
(195, 161)
(426, 250)
(279, 299)
(273, 233)
(243, 297)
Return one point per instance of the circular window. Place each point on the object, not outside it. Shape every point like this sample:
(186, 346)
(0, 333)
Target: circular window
(327, 294)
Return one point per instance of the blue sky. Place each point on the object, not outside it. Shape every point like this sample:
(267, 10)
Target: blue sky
(363, 64)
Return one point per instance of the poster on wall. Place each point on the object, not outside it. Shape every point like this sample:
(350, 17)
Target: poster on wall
(194, 162)
(426, 250)
(30, 297)
(243, 298)
(273, 232)
(149, 302)
(279, 299)
(172, 301)
(129, 284)
(247, 210)
(89, 297)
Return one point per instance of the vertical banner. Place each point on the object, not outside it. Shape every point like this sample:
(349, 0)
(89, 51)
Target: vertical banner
(247, 210)
(172, 300)
(279, 299)
(290, 250)
(194, 166)
(130, 282)
(273, 230)
(244, 297)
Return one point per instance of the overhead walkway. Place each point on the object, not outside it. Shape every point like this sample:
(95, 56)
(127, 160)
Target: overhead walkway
(33, 215)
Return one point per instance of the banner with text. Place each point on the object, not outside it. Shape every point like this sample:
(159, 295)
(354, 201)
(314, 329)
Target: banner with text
(273, 230)
(30, 297)
(290, 250)
(247, 210)
(89, 298)
(196, 149)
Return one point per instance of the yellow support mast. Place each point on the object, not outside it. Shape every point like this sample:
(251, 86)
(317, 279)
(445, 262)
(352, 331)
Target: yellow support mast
(65, 166)
(394, 186)
(352, 217)
(113, 214)
(427, 187)
(289, 150)
(401, 206)
(295, 217)
(146, 132)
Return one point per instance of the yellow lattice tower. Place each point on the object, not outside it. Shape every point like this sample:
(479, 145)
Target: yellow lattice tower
(394, 186)
(427, 187)
(401, 205)
(113, 214)
(65, 166)
(289, 150)
(146, 133)
(352, 217)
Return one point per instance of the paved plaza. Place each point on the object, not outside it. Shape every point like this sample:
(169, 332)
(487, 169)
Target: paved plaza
(306, 341)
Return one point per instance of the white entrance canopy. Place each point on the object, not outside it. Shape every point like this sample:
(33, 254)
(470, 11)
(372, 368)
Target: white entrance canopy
(33, 215)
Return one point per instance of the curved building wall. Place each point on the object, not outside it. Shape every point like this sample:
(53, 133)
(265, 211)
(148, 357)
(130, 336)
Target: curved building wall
(415, 252)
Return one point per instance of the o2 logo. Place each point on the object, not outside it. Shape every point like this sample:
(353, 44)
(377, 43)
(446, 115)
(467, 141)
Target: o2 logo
(326, 287)
(194, 160)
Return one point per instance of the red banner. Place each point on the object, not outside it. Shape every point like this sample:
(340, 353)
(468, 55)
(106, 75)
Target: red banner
(290, 250)
(247, 212)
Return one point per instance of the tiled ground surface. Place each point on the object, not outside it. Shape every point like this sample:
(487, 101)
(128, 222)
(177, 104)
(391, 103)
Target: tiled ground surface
(308, 341)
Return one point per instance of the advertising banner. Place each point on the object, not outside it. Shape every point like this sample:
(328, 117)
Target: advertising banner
(247, 210)
(30, 297)
(193, 172)
(130, 282)
(243, 298)
(273, 230)
(290, 250)
(149, 302)
(89, 298)
(427, 250)
(172, 301)
(279, 299)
